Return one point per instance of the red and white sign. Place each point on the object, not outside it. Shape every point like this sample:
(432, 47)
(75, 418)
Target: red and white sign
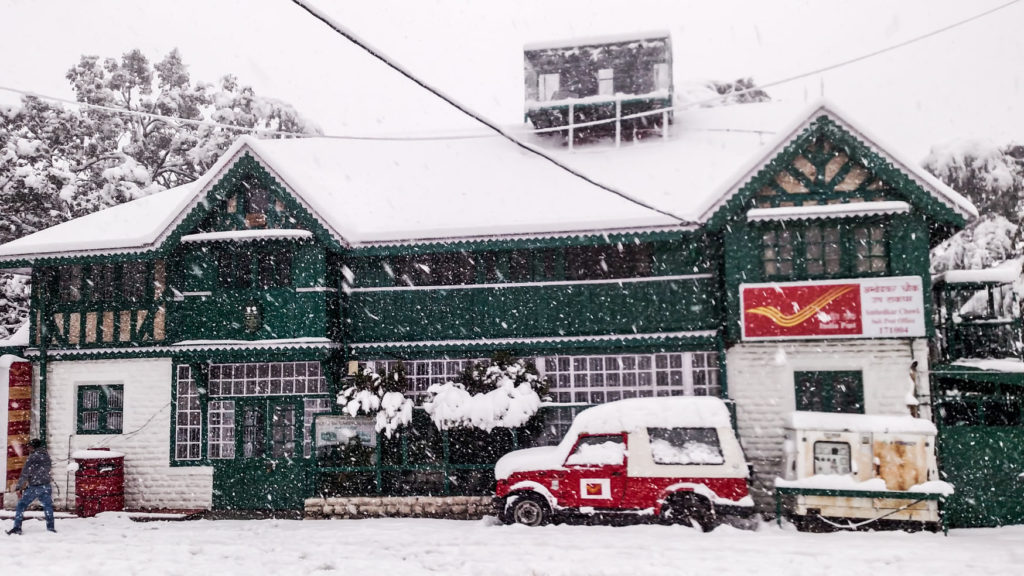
(861, 308)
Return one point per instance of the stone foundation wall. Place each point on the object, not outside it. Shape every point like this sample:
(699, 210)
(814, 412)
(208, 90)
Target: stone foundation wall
(450, 507)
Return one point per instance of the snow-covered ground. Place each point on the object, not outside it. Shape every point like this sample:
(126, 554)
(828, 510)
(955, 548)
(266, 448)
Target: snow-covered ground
(113, 545)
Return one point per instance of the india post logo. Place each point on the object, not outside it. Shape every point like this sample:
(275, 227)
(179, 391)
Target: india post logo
(595, 488)
(780, 311)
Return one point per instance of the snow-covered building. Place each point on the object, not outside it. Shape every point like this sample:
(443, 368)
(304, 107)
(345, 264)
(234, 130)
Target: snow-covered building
(201, 330)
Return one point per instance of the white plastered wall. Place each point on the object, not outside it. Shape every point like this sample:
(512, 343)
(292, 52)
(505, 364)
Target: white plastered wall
(760, 381)
(150, 480)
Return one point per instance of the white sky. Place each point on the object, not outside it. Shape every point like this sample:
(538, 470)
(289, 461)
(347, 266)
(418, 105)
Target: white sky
(966, 82)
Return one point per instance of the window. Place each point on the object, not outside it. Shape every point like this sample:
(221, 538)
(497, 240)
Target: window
(257, 199)
(221, 429)
(685, 446)
(821, 250)
(100, 409)
(777, 253)
(600, 262)
(268, 378)
(310, 408)
(235, 270)
(134, 281)
(599, 379)
(872, 254)
(606, 82)
(70, 283)
(102, 282)
(662, 76)
(420, 374)
(275, 268)
(598, 450)
(547, 86)
(830, 391)
(188, 417)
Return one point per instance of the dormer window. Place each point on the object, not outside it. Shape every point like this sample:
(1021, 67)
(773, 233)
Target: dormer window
(824, 250)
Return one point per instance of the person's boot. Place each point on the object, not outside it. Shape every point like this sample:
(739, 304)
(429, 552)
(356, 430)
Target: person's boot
(14, 531)
(51, 529)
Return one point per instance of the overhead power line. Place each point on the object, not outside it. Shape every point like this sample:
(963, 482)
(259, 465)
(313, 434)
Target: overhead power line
(174, 120)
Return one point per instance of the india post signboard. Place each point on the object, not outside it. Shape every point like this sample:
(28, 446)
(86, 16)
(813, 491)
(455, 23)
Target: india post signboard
(861, 308)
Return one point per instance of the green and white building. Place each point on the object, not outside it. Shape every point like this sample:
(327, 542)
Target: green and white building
(201, 329)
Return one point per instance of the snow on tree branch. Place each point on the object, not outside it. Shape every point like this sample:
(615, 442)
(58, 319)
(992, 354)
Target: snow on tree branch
(502, 395)
(378, 395)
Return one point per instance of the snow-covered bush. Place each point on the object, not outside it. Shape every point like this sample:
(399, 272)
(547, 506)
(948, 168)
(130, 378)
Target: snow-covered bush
(379, 395)
(504, 394)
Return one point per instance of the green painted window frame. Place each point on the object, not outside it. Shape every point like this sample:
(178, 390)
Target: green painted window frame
(109, 408)
(836, 391)
(795, 251)
(254, 270)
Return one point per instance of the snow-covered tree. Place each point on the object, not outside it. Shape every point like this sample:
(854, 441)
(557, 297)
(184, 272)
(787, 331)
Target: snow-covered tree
(504, 394)
(983, 244)
(57, 162)
(992, 177)
(379, 395)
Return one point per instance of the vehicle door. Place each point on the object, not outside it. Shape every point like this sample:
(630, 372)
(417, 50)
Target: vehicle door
(595, 472)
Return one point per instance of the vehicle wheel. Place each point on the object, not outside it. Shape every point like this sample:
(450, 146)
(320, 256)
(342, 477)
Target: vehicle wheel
(529, 510)
(692, 511)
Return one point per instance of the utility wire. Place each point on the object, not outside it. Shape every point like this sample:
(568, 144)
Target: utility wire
(174, 120)
(351, 37)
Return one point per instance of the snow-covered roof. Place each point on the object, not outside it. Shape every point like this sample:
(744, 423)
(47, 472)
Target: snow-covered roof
(828, 211)
(388, 192)
(994, 364)
(715, 151)
(858, 423)
(128, 227)
(638, 413)
(1002, 273)
(248, 235)
(597, 40)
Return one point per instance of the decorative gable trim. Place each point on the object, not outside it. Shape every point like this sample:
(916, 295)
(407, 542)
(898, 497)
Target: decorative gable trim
(924, 191)
(854, 209)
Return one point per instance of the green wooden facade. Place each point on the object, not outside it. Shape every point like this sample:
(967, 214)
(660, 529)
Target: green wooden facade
(251, 264)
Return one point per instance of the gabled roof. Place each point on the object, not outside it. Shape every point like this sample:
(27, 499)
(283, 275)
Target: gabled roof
(715, 152)
(379, 193)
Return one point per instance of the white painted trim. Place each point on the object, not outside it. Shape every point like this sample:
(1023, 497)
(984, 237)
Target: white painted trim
(235, 345)
(249, 235)
(200, 293)
(528, 284)
(828, 211)
(316, 289)
(600, 338)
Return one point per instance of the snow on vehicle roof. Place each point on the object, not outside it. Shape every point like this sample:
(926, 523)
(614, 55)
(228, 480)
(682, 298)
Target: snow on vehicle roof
(638, 413)
(858, 423)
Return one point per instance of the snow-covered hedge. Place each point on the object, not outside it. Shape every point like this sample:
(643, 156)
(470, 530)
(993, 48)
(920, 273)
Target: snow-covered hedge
(509, 395)
(380, 396)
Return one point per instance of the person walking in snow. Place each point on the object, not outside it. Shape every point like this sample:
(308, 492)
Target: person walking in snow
(35, 477)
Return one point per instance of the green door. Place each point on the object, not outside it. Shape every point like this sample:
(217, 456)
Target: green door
(268, 471)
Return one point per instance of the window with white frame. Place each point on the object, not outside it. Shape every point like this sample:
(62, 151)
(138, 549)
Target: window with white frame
(421, 374)
(266, 378)
(606, 82)
(312, 407)
(221, 429)
(188, 417)
(547, 86)
(606, 378)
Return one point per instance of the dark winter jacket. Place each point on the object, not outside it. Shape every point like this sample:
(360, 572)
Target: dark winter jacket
(36, 471)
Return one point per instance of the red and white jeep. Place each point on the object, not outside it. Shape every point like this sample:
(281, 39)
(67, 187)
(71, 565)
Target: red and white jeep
(675, 458)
